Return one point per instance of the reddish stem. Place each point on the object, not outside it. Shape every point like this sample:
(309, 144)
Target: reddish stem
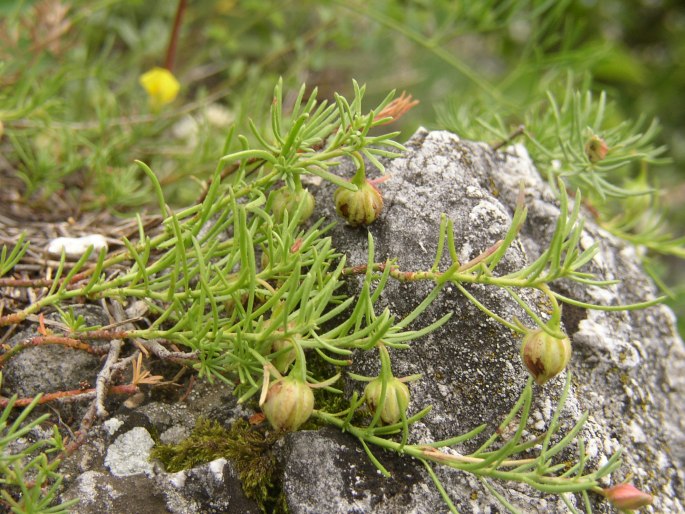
(75, 393)
(43, 282)
(173, 39)
(102, 335)
(69, 342)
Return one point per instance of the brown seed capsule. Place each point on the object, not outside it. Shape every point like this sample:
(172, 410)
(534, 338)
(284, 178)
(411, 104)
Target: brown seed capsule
(361, 207)
(544, 355)
(396, 399)
(596, 149)
(288, 404)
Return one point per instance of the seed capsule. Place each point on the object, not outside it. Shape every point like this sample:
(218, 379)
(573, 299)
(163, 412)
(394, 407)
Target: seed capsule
(396, 399)
(544, 355)
(596, 149)
(627, 497)
(288, 404)
(285, 199)
(361, 207)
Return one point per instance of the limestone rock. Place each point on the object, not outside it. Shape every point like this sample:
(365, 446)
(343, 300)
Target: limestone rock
(628, 366)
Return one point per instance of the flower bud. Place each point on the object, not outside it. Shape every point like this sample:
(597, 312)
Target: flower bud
(627, 497)
(596, 149)
(361, 207)
(544, 355)
(289, 403)
(285, 199)
(396, 399)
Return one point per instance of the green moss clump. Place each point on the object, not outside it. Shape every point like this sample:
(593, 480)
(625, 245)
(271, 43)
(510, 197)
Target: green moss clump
(248, 447)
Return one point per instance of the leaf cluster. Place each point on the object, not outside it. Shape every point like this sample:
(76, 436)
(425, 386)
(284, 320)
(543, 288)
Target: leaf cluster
(618, 188)
(29, 480)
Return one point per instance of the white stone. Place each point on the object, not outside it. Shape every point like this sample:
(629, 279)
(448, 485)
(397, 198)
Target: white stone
(75, 247)
(112, 425)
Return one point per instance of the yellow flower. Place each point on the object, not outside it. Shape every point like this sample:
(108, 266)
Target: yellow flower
(161, 86)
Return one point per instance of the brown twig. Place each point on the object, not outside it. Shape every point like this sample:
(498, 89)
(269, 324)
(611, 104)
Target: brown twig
(358, 270)
(516, 133)
(44, 282)
(481, 257)
(12, 319)
(160, 351)
(104, 378)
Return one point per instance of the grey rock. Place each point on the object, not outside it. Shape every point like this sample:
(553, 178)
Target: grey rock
(129, 454)
(628, 367)
(335, 463)
(211, 488)
(51, 368)
(113, 471)
(100, 492)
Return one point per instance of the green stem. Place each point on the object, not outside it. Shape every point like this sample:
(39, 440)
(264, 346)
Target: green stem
(359, 178)
(544, 483)
(299, 370)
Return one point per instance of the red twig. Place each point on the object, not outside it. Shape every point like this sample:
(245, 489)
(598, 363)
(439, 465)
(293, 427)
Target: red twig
(102, 335)
(75, 394)
(358, 270)
(12, 319)
(44, 282)
(69, 342)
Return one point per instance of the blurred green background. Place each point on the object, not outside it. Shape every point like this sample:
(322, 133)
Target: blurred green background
(75, 116)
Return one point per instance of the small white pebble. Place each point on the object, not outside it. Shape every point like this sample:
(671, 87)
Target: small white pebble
(218, 115)
(112, 425)
(75, 247)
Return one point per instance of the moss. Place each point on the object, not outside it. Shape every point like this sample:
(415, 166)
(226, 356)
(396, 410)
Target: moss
(493, 188)
(248, 447)
(325, 400)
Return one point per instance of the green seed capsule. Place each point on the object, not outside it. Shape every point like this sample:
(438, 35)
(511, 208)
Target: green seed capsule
(544, 355)
(288, 404)
(288, 200)
(361, 207)
(396, 399)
